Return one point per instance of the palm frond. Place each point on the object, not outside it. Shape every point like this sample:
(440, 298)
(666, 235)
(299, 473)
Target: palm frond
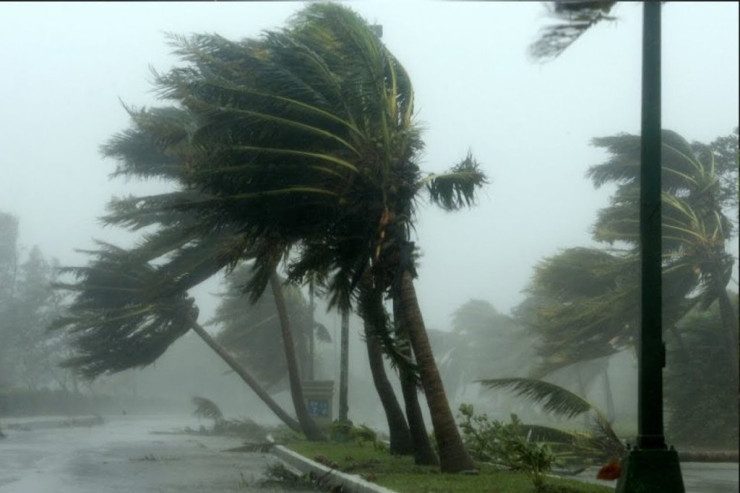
(206, 408)
(577, 17)
(554, 398)
(456, 189)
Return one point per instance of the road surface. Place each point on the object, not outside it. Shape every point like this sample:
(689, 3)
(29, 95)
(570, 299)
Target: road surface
(122, 455)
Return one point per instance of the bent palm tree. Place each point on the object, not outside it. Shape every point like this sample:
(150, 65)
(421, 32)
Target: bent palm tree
(126, 314)
(307, 137)
(302, 142)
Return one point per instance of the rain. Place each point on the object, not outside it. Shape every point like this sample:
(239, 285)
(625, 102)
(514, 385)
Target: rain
(526, 279)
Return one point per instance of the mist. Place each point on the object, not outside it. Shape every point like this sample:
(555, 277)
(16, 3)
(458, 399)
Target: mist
(72, 69)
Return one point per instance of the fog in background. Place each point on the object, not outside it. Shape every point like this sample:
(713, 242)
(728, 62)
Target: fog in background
(68, 67)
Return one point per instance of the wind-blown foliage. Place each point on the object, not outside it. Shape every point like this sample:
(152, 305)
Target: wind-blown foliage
(589, 298)
(299, 143)
(121, 317)
(603, 441)
(701, 403)
(575, 17)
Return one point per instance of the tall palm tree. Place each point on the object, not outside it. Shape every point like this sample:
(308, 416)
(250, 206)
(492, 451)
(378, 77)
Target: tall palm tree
(191, 234)
(126, 314)
(306, 137)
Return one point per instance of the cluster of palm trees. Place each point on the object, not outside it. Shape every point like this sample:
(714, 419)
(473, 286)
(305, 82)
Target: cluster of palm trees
(295, 151)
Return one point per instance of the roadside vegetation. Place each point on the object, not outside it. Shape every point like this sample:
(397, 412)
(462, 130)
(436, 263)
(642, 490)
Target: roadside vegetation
(400, 474)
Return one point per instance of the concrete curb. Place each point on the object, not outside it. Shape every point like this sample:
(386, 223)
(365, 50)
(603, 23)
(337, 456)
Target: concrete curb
(330, 478)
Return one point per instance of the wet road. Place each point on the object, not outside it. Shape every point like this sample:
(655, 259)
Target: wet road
(698, 477)
(123, 456)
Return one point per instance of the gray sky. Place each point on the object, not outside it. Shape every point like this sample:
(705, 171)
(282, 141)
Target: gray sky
(65, 66)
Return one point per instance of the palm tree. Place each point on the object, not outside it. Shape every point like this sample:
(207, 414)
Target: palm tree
(695, 229)
(306, 137)
(303, 143)
(592, 307)
(126, 314)
(191, 232)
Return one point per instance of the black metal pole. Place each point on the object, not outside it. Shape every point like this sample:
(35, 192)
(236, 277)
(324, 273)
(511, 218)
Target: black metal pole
(650, 465)
(651, 348)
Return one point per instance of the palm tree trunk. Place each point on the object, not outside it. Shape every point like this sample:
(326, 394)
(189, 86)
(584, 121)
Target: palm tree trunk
(312, 335)
(452, 453)
(344, 368)
(424, 454)
(401, 443)
(247, 378)
(308, 425)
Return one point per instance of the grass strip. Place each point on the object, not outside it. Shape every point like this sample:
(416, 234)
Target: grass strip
(400, 474)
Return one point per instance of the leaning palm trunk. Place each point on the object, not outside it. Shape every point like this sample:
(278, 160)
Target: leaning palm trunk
(452, 453)
(248, 379)
(308, 425)
(423, 451)
(401, 443)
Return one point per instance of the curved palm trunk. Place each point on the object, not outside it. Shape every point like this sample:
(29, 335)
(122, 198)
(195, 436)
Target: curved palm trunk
(401, 443)
(423, 451)
(308, 425)
(424, 454)
(247, 378)
(452, 453)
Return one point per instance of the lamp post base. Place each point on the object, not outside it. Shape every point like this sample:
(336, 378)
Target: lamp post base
(650, 471)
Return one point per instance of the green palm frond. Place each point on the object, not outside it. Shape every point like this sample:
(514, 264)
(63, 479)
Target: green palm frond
(124, 314)
(554, 398)
(456, 189)
(602, 440)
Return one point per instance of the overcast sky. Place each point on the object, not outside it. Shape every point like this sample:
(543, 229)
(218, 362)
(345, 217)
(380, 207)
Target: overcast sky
(66, 67)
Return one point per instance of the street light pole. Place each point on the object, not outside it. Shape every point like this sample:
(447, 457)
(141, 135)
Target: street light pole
(650, 466)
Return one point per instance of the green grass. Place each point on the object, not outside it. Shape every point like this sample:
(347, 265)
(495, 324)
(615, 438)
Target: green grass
(402, 475)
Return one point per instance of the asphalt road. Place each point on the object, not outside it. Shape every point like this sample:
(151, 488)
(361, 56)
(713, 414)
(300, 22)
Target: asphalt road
(126, 454)
(123, 456)
(698, 477)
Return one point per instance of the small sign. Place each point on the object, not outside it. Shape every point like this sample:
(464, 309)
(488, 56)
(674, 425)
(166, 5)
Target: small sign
(318, 407)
